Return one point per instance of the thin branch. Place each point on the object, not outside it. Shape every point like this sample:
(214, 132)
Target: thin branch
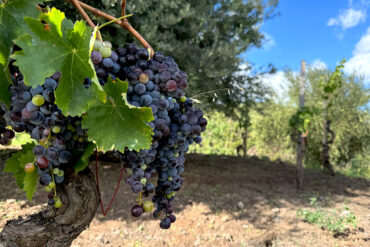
(83, 13)
(85, 16)
(123, 8)
(123, 23)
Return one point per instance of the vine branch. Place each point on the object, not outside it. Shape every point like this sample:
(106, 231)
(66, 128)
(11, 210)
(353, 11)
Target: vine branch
(123, 23)
(77, 5)
(123, 7)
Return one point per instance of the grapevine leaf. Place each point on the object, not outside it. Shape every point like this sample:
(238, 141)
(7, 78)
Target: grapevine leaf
(115, 124)
(83, 161)
(22, 138)
(30, 183)
(57, 45)
(12, 25)
(15, 164)
(5, 47)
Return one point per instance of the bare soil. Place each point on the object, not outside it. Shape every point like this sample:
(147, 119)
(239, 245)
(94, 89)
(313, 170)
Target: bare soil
(225, 201)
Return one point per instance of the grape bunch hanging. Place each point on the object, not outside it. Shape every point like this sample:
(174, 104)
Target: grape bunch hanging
(155, 82)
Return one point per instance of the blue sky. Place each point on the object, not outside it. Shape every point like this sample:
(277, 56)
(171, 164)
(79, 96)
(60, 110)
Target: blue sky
(320, 32)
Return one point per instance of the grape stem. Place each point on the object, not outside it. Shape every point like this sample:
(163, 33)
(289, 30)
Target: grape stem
(123, 23)
(52, 176)
(77, 5)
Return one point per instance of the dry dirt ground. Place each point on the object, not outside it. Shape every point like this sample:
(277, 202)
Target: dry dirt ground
(225, 201)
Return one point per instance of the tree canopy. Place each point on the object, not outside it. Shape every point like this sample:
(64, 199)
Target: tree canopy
(205, 37)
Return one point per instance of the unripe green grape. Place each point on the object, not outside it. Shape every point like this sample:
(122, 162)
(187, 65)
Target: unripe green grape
(56, 171)
(56, 129)
(52, 185)
(58, 202)
(107, 44)
(143, 180)
(170, 179)
(61, 173)
(48, 189)
(143, 167)
(97, 45)
(148, 206)
(38, 100)
(105, 51)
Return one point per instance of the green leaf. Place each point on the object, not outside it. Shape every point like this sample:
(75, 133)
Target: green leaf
(30, 183)
(22, 138)
(58, 45)
(115, 124)
(12, 25)
(83, 161)
(15, 164)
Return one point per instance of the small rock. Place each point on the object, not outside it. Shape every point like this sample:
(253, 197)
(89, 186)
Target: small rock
(10, 201)
(225, 218)
(241, 205)
(276, 210)
(277, 219)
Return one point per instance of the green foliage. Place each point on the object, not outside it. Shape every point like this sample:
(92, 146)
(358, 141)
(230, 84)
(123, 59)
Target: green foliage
(335, 81)
(16, 164)
(331, 219)
(22, 138)
(11, 27)
(30, 183)
(270, 130)
(348, 112)
(301, 119)
(83, 161)
(115, 124)
(358, 167)
(205, 37)
(223, 135)
(65, 48)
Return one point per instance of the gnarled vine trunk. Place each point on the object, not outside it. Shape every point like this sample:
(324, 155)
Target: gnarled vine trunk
(57, 228)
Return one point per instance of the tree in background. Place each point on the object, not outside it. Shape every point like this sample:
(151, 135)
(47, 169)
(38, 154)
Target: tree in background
(205, 37)
(349, 114)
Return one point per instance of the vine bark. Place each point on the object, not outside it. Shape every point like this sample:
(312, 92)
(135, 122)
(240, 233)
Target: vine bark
(57, 228)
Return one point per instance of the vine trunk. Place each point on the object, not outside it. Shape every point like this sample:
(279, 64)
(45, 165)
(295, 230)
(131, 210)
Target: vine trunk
(57, 228)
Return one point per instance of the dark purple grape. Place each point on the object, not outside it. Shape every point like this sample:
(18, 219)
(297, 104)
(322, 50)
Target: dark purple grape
(137, 211)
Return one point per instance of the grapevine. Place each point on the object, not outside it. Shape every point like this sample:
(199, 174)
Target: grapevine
(128, 100)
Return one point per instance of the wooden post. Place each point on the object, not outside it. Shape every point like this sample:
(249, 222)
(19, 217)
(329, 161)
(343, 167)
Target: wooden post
(301, 139)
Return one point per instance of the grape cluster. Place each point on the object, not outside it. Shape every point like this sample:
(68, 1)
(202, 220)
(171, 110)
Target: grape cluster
(33, 110)
(157, 83)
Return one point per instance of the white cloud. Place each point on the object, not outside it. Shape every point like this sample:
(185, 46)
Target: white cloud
(348, 18)
(359, 63)
(318, 64)
(268, 41)
(277, 81)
